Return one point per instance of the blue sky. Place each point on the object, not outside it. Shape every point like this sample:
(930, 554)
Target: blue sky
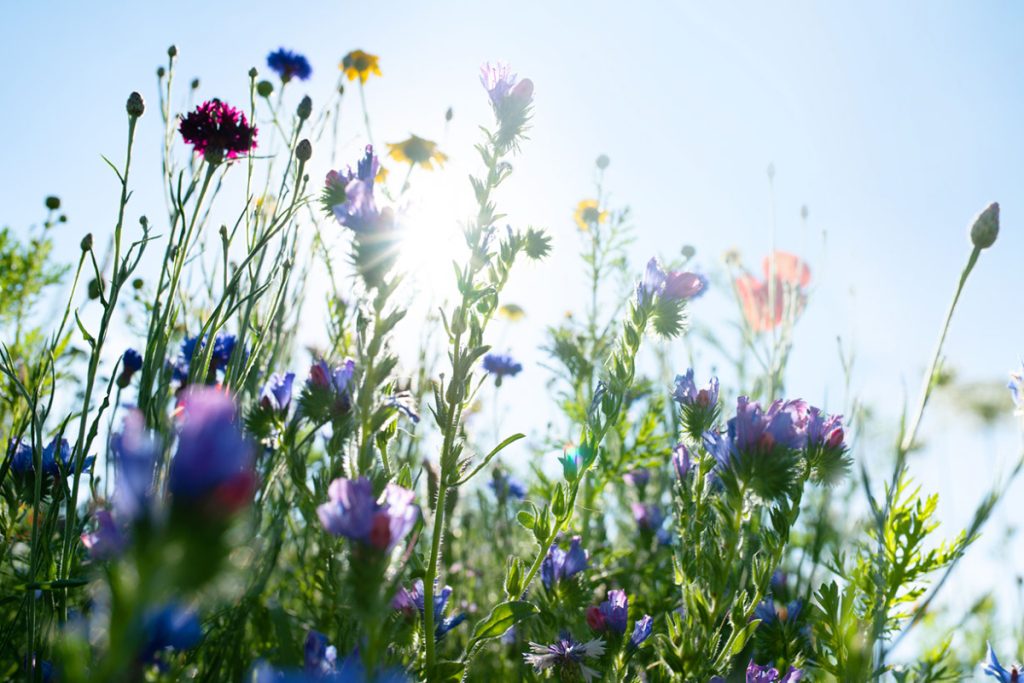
(894, 123)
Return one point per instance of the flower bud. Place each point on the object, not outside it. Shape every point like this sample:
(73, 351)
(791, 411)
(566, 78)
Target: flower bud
(304, 150)
(172, 52)
(603, 161)
(137, 283)
(522, 91)
(253, 73)
(87, 242)
(264, 88)
(305, 108)
(341, 89)
(986, 227)
(195, 84)
(53, 202)
(448, 114)
(161, 72)
(135, 105)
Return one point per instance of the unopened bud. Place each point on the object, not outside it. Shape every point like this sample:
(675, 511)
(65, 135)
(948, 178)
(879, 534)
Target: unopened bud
(137, 283)
(87, 242)
(195, 84)
(213, 155)
(172, 52)
(986, 227)
(304, 150)
(53, 202)
(603, 161)
(95, 289)
(253, 73)
(341, 89)
(448, 114)
(135, 105)
(161, 72)
(264, 88)
(305, 108)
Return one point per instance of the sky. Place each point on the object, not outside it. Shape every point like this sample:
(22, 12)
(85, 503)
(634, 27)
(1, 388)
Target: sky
(893, 123)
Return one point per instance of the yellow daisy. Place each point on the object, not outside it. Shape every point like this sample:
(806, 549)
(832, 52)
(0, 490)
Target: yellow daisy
(416, 150)
(588, 213)
(359, 64)
(512, 312)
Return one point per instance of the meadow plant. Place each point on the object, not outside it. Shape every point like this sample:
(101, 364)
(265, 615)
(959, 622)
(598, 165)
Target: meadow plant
(188, 494)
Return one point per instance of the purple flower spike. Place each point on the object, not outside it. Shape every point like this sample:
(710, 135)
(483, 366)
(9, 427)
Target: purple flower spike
(276, 394)
(615, 611)
(559, 564)
(682, 461)
(769, 674)
(641, 631)
(353, 511)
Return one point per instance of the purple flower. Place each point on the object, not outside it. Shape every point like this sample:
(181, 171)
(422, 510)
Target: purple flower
(107, 540)
(615, 611)
(648, 517)
(756, 432)
(641, 631)
(21, 456)
(501, 366)
(567, 655)
(769, 613)
(131, 362)
(349, 196)
(1016, 387)
(405, 403)
(682, 460)
(213, 465)
(171, 627)
(337, 382)
(559, 564)
(687, 393)
(676, 286)
(276, 394)
(505, 486)
(504, 88)
(410, 602)
(223, 347)
(218, 131)
(683, 285)
(320, 657)
(354, 512)
(56, 458)
(289, 65)
(994, 669)
(638, 477)
(135, 452)
(769, 674)
(824, 431)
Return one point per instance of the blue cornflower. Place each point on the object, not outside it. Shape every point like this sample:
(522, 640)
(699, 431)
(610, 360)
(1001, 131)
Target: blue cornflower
(994, 669)
(560, 564)
(214, 460)
(505, 486)
(501, 366)
(276, 394)
(223, 347)
(170, 627)
(289, 65)
(56, 457)
(769, 613)
(131, 362)
(568, 655)
(409, 602)
(354, 512)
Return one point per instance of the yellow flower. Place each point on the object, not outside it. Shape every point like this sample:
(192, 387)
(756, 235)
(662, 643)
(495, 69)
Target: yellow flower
(382, 175)
(359, 64)
(416, 150)
(512, 312)
(588, 213)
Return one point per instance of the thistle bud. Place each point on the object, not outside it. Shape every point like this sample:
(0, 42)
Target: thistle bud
(53, 202)
(304, 150)
(305, 108)
(253, 73)
(986, 227)
(172, 52)
(264, 88)
(135, 105)
(87, 242)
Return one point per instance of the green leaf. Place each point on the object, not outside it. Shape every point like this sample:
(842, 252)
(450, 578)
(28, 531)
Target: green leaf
(501, 618)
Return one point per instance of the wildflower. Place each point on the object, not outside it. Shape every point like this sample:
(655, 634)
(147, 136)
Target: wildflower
(410, 602)
(337, 382)
(505, 486)
(699, 406)
(359, 64)
(588, 214)
(650, 519)
(769, 613)
(782, 290)
(349, 196)
(107, 540)
(671, 286)
(559, 564)
(504, 87)
(500, 366)
(131, 362)
(789, 268)
(637, 477)
(1016, 387)
(994, 669)
(682, 461)
(986, 227)
(170, 627)
(641, 631)
(135, 452)
(567, 655)
(289, 65)
(56, 458)
(354, 512)
(615, 611)
(218, 131)
(213, 464)
(320, 657)
(194, 347)
(276, 394)
(783, 424)
(405, 403)
(769, 674)
(682, 285)
(512, 312)
(417, 150)
(824, 431)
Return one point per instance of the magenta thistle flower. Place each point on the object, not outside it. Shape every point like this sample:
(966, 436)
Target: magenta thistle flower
(354, 512)
(218, 131)
(289, 65)
(567, 655)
